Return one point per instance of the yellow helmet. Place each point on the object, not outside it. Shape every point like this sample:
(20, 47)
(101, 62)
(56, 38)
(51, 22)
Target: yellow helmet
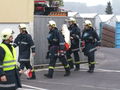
(6, 33)
(88, 23)
(72, 20)
(22, 26)
(52, 23)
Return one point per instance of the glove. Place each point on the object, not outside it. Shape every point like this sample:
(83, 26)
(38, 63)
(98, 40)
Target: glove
(14, 45)
(47, 55)
(98, 43)
(61, 53)
(82, 44)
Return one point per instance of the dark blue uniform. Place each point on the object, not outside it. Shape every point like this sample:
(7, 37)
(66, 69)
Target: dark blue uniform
(75, 35)
(13, 80)
(56, 45)
(25, 43)
(91, 39)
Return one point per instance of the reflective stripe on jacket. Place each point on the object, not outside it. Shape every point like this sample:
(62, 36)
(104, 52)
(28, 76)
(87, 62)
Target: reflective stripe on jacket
(9, 61)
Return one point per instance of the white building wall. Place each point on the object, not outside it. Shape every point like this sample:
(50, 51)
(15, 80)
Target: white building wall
(108, 19)
(112, 21)
(97, 24)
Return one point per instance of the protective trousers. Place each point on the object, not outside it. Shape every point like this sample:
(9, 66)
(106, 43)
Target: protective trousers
(53, 59)
(90, 55)
(91, 61)
(76, 58)
(24, 64)
(53, 62)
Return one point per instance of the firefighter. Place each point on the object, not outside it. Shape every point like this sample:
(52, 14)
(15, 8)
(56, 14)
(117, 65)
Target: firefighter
(90, 41)
(26, 44)
(9, 76)
(75, 35)
(56, 49)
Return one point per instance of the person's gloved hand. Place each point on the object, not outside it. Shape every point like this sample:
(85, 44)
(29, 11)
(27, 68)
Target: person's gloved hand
(61, 53)
(47, 55)
(82, 44)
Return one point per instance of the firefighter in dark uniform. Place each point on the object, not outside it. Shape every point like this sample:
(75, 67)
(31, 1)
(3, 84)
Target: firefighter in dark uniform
(26, 44)
(56, 49)
(90, 41)
(9, 75)
(75, 35)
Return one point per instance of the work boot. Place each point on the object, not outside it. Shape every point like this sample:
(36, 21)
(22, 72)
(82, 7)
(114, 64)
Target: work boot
(50, 73)
(67, 73)
(77, 67)
(90, 71)
(71, 64)
(33, 76)
(91, 68)
(48, 76)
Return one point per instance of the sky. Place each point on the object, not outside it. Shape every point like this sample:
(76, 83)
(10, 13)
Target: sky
(90, 2)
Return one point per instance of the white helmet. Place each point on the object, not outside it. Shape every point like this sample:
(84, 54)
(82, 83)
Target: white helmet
(88, 23)
(6, 33)
(52, 23)
(22, 26)
(72, 20)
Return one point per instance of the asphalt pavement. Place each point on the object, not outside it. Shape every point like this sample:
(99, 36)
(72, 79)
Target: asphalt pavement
(105, 77)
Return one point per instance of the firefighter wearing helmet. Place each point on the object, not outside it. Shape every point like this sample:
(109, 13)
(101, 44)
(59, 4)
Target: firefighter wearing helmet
(52, 23)
(90, 42)
(75, 35)
(72, 20)
(88, 23)
(56, 49)
(22, 28)
(8, 62)
(25, 43)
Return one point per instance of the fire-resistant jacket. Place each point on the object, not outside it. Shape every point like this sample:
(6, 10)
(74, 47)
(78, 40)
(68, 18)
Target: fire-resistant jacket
(25, 43)
(90, 36)
(91, 39)
(55, 38)
(75, 33)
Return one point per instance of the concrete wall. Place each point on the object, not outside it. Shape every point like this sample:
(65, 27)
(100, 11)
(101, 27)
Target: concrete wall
(40, 35)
